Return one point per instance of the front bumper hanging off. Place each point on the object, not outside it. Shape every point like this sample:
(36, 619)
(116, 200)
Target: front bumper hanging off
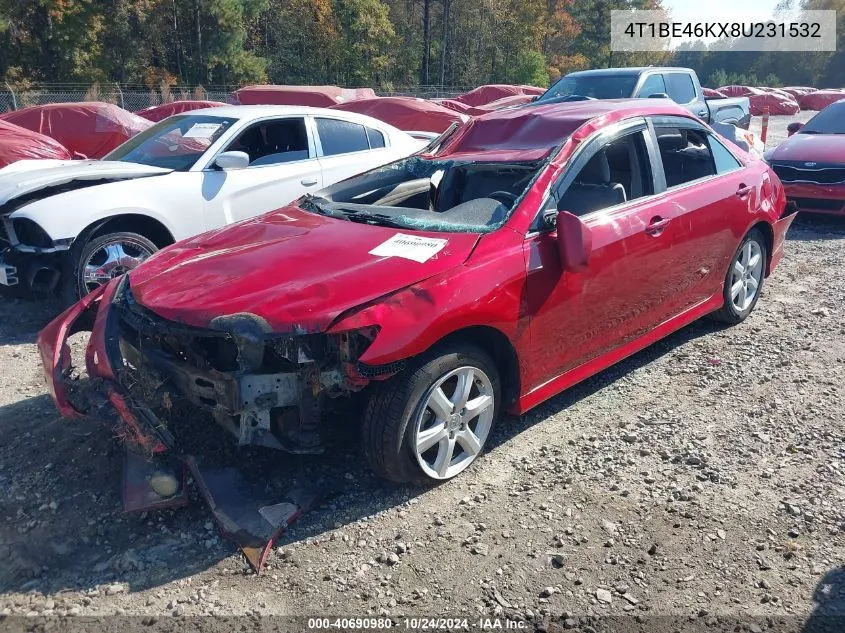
(155, 475)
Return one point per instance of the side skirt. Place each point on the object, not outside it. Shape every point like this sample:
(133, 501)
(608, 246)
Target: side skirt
(590, 368)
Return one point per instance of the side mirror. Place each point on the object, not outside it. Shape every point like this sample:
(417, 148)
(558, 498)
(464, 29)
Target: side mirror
(658, 95)
(574, 241)
(232, 160)
(793, 127)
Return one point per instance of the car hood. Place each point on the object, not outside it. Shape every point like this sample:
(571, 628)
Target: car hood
(27, 177)
(819, 148)
(296, 270)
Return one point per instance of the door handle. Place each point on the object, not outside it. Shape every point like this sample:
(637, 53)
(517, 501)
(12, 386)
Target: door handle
(743, 190)
(702, 113)
(308, 182)
(656, 226)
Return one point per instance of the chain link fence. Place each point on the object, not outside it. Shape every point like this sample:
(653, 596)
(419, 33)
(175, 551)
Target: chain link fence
(135, 97)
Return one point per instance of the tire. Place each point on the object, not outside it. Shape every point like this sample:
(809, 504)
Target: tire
(742, 278)
(73, 286)
(401, 407)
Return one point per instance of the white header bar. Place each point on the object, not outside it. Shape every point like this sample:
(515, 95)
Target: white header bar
(793, 30)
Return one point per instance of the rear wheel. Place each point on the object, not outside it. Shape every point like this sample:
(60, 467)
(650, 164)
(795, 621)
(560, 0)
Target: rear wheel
(430, 422)
(101, 259)
(744, 279)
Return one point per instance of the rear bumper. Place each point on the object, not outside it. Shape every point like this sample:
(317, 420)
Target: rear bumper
(779, 229)
(816, 198)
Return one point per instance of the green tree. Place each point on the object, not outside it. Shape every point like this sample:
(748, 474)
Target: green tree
(367, 41)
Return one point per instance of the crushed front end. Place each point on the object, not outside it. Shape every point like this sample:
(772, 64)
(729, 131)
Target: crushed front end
(158, 381)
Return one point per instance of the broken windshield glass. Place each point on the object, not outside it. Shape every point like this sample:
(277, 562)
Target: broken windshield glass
(429, 194)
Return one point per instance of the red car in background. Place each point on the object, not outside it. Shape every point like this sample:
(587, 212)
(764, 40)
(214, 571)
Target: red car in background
(811, 162)
(516, 256)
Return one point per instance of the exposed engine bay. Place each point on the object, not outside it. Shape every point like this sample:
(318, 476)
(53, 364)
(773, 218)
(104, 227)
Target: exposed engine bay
(265, 389)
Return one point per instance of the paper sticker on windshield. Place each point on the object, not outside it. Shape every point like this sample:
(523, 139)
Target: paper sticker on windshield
(418, 249)
(202, 130)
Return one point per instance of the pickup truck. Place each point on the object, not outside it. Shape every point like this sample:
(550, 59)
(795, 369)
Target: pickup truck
(681, 85)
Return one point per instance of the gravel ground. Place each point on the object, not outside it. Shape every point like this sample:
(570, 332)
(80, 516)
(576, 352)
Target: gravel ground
(703, 479)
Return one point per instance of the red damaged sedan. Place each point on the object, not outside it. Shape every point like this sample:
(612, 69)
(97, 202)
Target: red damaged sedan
(811, 162)
(515, 256)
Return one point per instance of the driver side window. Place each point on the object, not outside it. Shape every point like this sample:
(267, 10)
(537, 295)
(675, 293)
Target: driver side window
(273, 142)
(617, 172)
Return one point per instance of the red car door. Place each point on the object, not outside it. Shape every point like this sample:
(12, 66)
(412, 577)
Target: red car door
(710, 193)
(635, 268)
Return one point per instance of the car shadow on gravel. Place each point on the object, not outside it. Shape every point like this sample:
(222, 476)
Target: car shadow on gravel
(24, 318)
(828, 615)
(576, 393)
(64, 527)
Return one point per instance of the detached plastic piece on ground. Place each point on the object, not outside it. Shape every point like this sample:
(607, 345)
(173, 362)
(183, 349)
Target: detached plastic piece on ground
(247, 512)
(153, 484)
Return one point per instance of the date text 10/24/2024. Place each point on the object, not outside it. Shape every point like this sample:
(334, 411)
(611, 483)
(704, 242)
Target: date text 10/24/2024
(416, 624)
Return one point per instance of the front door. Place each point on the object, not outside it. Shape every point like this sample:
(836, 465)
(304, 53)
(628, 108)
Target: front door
(283, 166)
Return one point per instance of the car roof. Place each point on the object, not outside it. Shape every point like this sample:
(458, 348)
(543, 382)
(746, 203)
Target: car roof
(637, 70)
(246, 112)
(533, 131)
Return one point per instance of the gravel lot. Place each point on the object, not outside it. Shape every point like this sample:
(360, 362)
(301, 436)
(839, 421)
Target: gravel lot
(703, 479)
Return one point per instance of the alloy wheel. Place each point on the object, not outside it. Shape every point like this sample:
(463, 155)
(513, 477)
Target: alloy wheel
(746, 275)
(111, 260)
(454, 421)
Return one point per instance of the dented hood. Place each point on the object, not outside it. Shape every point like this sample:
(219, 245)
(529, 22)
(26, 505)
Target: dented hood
(29, 176)
(295, 269)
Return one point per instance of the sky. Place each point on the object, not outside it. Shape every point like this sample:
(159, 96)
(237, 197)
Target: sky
(718, 11)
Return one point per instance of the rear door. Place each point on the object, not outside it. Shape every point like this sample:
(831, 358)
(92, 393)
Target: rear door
(630, 283)
(708, 197)
(652, 84)
(283, 166)
(346, 148)
(685, 91)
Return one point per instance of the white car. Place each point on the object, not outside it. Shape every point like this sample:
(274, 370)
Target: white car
(70, 226)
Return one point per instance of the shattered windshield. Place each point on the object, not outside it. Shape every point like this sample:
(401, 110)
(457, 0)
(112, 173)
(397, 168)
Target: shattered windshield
(430, 194)
(175, 143)
(596, 86)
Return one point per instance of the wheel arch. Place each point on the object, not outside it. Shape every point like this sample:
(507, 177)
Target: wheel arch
(151, 228)
(498, 346)
(769, 235)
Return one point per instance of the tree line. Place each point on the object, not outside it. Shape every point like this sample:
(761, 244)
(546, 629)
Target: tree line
(377, 43)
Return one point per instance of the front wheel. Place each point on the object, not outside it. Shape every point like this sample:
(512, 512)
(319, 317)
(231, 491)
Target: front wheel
(744, 279)
(98, 261)
(431, 421)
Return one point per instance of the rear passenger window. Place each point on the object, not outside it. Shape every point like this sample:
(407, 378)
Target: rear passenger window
(685, 154)
(680, 87)
(341, 137)
(724, 160)
(653, 85)
(375, 137)
(620, 171)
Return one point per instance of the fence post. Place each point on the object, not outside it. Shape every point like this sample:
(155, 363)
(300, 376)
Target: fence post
(120, 92)
(14, 100)
(765, 126)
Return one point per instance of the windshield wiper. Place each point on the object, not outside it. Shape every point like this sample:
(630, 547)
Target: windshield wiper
(310, 203)
(372, 218)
